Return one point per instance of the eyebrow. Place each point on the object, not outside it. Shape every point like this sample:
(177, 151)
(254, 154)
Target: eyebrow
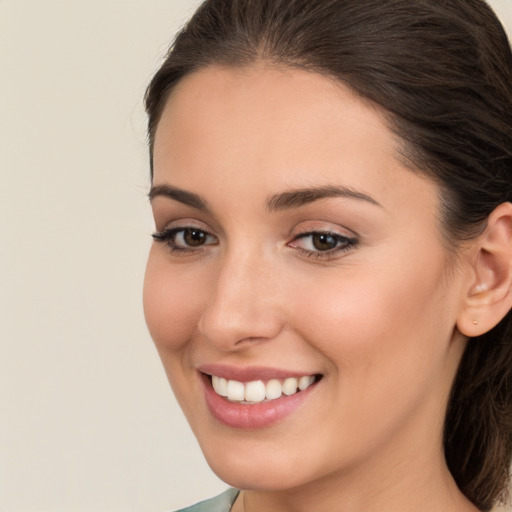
(303, 196)
(281, 201)
(182, 196)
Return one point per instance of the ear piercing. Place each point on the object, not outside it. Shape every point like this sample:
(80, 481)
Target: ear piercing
(475, 322)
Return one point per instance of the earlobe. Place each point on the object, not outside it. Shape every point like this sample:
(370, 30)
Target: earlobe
(489, 295)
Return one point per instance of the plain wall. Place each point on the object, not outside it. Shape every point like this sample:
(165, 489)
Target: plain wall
(87, 419)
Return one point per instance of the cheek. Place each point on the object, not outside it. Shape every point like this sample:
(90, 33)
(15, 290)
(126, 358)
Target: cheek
(381, 318)
(171, 308)
(384, 344)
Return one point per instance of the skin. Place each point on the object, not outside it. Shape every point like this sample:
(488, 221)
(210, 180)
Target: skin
(377, 320)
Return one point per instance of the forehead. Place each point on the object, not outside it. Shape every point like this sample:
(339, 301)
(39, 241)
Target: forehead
(263, 106)
(269, 128)
(265, 94)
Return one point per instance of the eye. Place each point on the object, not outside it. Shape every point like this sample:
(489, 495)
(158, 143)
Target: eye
(322, 244)
(185, 238)
(323, 241)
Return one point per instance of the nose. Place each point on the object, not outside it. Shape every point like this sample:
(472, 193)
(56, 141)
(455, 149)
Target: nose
(242, 307)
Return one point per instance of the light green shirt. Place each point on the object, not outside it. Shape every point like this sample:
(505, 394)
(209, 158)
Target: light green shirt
(221, 503)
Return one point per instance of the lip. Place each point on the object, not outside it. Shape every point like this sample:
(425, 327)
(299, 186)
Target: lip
(251, 416)
(249, 373)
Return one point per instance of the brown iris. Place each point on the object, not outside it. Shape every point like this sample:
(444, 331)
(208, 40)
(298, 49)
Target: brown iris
(194, 237)
(324, 241)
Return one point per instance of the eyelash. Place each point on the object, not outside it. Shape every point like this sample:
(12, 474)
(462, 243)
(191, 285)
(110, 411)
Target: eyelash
(345, 243)
(168, 235)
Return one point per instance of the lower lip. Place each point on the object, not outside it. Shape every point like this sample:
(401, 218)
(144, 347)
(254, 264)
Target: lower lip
(252, 416)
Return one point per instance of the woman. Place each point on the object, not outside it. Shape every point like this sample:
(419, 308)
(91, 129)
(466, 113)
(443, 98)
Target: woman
(330, 284)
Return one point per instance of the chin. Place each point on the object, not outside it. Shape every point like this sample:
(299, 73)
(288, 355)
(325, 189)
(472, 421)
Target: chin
(245, 475)
(251, 466)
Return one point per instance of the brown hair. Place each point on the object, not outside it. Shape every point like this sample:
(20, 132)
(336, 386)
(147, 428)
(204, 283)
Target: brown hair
(442, 71)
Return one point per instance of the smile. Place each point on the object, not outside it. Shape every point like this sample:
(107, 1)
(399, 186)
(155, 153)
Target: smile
(255, 397)
(258, 391)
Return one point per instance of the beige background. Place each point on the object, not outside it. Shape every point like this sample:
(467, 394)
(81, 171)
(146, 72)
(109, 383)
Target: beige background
(87, 421)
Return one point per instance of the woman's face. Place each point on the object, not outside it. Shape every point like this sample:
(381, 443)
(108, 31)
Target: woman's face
(293, 243)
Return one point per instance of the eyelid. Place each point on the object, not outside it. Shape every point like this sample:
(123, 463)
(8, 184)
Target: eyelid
(324, 227)
(334, 234)
(344, 243)
(316, 227)
(184, 223)
(169, 234)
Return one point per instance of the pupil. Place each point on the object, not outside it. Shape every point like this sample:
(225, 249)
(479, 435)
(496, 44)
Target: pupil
(194, 237)
(323, 242)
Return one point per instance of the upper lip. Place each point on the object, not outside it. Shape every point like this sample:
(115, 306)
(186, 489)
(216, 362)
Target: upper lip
(250, 373)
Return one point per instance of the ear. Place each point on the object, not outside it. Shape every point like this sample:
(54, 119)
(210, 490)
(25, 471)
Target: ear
(488, 296)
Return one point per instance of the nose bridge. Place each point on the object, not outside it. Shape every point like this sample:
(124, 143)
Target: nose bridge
(241, 305)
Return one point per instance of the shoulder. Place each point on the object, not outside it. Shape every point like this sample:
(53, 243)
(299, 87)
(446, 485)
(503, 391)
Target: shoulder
(221, 503)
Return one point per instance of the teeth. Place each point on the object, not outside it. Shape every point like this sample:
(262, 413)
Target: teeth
(274, 389)
(257, 391)
(220, 385)
(305, 382)
(235, 391)
(290, 386)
